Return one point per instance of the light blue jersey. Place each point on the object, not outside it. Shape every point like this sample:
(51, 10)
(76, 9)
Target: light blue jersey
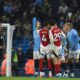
(73, 39)
(34, 20)
(36, 37)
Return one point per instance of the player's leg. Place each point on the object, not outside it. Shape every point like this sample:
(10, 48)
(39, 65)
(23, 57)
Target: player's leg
(41, 66)
(57, 65)
(36, 59)
(64, 67)
(64, 64)
(70, 63)
(57, 61)
(63, 60)
(76, 57)
(52, 60)
(41, 61)
(49, 61)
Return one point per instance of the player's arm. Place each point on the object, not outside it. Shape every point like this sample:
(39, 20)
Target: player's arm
(34, 23)
(34, 20)
(75, 34)
(51, 37)
(63, 34)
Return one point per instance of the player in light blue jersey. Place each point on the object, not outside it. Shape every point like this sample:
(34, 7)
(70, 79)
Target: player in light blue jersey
(36, 38)
(74, 46)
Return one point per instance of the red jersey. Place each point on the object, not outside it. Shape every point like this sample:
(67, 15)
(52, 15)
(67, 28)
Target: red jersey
(56, 34)
(44, 35)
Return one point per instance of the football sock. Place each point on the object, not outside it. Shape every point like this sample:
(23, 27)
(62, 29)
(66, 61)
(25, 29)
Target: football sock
(36, 66)
(57, 68)
(49, 64)
(41, 64)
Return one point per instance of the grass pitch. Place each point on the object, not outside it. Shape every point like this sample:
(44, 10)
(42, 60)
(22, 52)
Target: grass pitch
(27, 78)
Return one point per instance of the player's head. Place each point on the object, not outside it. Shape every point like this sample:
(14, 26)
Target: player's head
(52, 23)
(38, 24)
(67, 27)
(45, 24)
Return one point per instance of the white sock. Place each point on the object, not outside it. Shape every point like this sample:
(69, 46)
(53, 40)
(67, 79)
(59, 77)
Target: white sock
(50, 73)
(42, 73)
(36, 73)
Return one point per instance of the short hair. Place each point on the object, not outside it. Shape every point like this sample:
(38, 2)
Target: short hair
(52, 22)
(69, 24)
(45, 23)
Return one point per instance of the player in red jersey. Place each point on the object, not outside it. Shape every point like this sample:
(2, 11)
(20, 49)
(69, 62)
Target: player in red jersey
(45, 50)
(56, 44)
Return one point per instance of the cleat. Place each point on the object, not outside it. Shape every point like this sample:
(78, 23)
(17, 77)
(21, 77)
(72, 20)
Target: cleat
(59, 75)
(65, 75)
(72, 75)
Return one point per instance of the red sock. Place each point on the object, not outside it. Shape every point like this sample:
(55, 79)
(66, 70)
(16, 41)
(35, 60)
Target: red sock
(41, 64)
(49, 64)
(57, 68)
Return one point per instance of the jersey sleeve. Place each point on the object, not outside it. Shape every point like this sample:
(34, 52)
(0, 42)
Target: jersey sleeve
(34, 26)
(76, 36)
(50, 36)
(34, 23)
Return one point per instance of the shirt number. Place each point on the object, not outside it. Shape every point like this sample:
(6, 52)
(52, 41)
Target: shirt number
(44, 38)
(57, 36)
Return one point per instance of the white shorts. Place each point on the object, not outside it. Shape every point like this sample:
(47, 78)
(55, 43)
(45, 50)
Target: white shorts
(45, 51)
(48, 56)
(74, 54)
(57, 50)
(36, 55)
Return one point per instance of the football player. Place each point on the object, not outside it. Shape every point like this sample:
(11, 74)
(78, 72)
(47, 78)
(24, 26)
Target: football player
(74, 46)
(56, 44)
(45, 50)
(36, 47)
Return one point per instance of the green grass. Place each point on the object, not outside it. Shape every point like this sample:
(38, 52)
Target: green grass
(26, 78)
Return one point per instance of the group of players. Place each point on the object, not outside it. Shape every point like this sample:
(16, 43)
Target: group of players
(60, 47)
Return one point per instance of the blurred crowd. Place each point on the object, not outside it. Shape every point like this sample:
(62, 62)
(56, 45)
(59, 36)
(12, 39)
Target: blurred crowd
(21, 12)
